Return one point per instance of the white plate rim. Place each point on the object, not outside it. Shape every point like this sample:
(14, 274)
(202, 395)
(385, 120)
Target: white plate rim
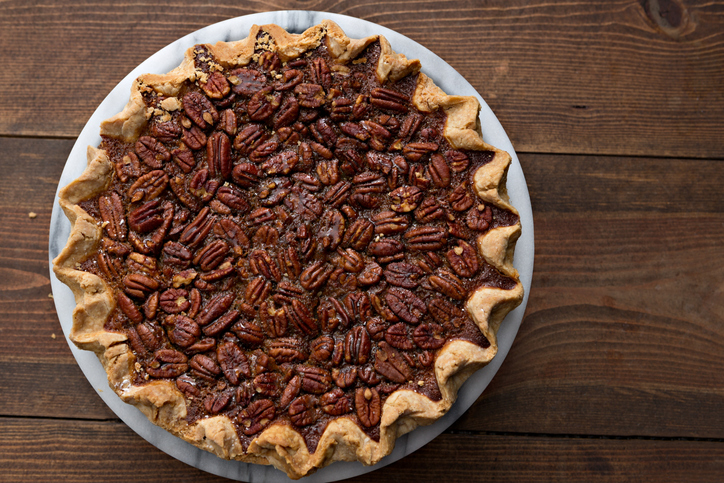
(232, 29)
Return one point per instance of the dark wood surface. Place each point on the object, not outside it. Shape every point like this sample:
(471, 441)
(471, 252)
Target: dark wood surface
(616, 110)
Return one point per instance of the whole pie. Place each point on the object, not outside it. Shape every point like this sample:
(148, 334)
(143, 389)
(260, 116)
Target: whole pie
(291, 249)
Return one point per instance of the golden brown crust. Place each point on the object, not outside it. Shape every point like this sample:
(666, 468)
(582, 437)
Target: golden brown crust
(281, 445)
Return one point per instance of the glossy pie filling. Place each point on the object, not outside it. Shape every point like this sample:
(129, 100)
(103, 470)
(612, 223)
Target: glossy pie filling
(291, 243)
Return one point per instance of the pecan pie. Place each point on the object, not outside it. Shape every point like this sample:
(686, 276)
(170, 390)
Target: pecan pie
(291, 249)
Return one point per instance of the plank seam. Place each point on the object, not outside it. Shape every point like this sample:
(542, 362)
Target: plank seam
(583, 436)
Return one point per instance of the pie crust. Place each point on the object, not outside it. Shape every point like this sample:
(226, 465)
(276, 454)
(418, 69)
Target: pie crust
(279, 444)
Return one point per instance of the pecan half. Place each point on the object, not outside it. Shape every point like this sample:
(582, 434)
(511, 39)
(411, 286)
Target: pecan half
(287, 114)
(315, 380)
(479, 218)
(215, 307)
(303, 203)
(248, 333)
(387, 250)
(457, 160)
(397, 336)
(446, 313)
(246, 82)
(405, 198)
(290, 78)
(335, 403)
(218, 154)
(314, 276)
(196, 231)
(249, 138)
(303, 410)
(148, 186)
(287, 349)
(211, 256)
(187, 385)
(439, 171)
(415, 151)
(112, 214)
(321, 348)
(389, 223)
(402, 274)
(216, 402)
(429, 336)
(138, 285)
(167, 363)
(228, 122)
(291, 391)
(331, 229)
(359, 234)
(204, 367)
(350, 260)
(448, 284)
(328, 172)
(429, 211)
(426, 238)
(152, 152)
(199, 109)
(370, 275)
(463, 259)
(222, 323)
(258, 290)
(282, 163)
(406, 305)
(262, 263)
(391, 364)
(216, 86)
(302, 318)
(185, 331)
(310, 95)
(389, 99)
(460, 199)
(177, 254)
(194, 139)
(233, 362)
(268, 384)
(368, 403)
(174, 301)
(263, 104)
(357, 346)
(128, 307)
(338, 194)
(256, 416)
(246, 175)
(128, 167)
(184, 158)
(233, 198)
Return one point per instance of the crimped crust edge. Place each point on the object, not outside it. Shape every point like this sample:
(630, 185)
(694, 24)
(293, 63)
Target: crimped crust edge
(281, 445)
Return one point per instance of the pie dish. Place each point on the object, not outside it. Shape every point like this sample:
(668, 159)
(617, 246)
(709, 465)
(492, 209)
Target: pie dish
(347, 326)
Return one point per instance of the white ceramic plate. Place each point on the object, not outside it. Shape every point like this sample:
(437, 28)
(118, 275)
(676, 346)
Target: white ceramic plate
(296, 22)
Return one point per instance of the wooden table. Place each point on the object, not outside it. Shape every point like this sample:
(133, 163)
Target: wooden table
(616, 110)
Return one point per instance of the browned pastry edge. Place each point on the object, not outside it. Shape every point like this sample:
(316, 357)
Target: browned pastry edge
(281, 445)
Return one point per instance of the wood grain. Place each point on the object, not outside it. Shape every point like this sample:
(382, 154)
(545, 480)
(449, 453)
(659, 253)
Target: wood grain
(616, 110)
(110, 452)
(606, 78)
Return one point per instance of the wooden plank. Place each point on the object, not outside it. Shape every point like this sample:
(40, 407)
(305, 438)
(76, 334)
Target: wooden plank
(32, 169)
(626, 300)
(63, 393)
(622, 77)
(45, 450)
(622, 185)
